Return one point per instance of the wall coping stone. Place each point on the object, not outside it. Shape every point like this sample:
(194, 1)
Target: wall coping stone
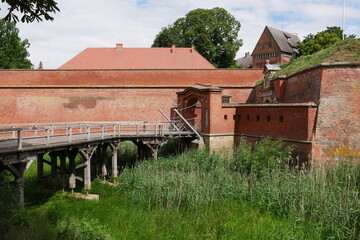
(232, 105)
(321, 65)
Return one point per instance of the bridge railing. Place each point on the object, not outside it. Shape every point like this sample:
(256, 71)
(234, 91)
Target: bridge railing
(51, 133)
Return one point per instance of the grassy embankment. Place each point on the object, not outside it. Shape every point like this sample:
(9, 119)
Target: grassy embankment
(203, 195)
(344, 51)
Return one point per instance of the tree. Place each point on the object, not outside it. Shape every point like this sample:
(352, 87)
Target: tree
(13, 51)
(314, 43)
(213, 32)
(31, 10)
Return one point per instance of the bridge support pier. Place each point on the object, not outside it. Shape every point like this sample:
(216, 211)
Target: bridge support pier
(114, 158)
(19, 170)
(148, 149)
(87, 155)
(102, 164)
(53, 156)
(40, 166)
(62, 156)
(72, 178)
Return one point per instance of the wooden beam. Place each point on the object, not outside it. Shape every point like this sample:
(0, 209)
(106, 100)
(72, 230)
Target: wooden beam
(87, 170)
(72, 179)
(40, 166)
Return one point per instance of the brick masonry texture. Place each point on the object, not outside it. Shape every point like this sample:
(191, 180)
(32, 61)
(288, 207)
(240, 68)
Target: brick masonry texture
(181, 78)
(304, 87)
(294, 123)
(106, 95)
(333, 127)
(338, 122)
(319, 110)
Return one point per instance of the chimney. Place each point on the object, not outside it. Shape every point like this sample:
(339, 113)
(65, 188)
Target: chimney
(192, 50)
(247, 54)
(119, 46)
(173, 49)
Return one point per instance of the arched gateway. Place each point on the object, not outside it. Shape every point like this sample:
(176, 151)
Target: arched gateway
(196, 103)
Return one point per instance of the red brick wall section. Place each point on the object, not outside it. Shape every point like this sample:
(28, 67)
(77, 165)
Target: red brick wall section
(106, 95)
(238, 95)
(216, 77)
(255, 95)
(215, 113)
(295, 123)
(338, 121)
(225, 121)
(279, 89)
(303, 87)
(71, 105)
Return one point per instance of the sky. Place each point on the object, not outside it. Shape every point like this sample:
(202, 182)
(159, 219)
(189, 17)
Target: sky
(93, 23)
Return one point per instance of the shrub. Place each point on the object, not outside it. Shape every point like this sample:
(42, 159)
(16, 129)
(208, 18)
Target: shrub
(267, 156)
(80, 229)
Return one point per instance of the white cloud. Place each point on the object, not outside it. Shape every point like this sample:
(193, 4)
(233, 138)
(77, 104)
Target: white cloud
(95, 23)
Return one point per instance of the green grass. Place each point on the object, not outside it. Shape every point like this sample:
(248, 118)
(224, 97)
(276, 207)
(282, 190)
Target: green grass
(204, 195)
(344, 51)
(125, 219)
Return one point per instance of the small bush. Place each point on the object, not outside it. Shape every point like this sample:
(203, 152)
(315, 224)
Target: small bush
(268, 156)
(80, 229)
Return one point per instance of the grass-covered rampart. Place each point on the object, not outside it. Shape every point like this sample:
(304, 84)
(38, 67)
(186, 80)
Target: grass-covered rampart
(253, 194)
(344, 51)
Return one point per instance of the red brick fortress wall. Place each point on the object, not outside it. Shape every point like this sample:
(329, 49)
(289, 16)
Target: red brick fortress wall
(337, 133)
(302, 87)
(106, 95)
(286, 121)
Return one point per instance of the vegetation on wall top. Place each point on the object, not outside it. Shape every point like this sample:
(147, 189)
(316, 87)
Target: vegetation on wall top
(344, 51)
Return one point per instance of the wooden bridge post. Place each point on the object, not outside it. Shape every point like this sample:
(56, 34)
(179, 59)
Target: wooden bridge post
(104, 156)
(87, 169)
(87, 174)
(140, 150)
(148, 149)
(154, 149)
(19, 170)
(40, 166)
(114, 163)
(53, 156)
(72, 179)
(102, 162)
(96, 158)
(62, 156)
(114, 158)
(20, 184)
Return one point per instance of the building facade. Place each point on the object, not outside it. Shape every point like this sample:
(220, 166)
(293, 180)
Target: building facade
(276, 46)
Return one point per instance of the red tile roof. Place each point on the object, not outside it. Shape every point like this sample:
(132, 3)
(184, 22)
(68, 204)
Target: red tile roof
(138, 58)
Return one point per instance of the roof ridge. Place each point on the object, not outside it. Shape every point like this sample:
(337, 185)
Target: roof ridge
(282, 30)
(290, 39)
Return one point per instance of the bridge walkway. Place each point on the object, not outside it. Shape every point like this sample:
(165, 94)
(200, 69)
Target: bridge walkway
(94, 142)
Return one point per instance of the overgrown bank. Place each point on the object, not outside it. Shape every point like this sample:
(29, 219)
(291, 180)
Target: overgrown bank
(204, 195)
(344, 51)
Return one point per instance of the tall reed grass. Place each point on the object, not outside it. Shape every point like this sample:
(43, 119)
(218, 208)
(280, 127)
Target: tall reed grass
(202, 195)
(326, 196)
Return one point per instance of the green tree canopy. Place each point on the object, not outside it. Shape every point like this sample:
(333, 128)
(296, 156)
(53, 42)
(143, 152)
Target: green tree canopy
(13, 51)
(213, 32)
(30, 10)
(314, 43)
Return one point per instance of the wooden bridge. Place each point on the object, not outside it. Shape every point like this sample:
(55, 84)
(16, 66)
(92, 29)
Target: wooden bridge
(79, 149)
